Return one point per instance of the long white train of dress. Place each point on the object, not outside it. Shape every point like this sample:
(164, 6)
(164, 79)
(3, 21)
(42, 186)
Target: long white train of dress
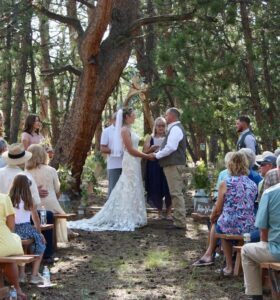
(125, 210)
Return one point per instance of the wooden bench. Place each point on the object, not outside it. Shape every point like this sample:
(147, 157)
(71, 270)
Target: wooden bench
(46, 227)
(238, 265)
(18, 259)
(231, 237)
(240, 242)
(266, 279)
(200, 217)
(4, 293)
(58, 217)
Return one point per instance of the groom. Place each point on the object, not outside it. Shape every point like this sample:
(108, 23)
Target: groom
(172, 158)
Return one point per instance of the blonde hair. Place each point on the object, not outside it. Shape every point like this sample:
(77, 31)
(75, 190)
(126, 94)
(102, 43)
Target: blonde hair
(159, 119)
(39, 157)
(238, 164)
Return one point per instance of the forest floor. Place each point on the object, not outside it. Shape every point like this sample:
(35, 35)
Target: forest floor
(150, 263)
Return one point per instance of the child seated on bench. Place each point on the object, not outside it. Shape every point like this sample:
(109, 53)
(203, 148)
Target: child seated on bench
(22, 201)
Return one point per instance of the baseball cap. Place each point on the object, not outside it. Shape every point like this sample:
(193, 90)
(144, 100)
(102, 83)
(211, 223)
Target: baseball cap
(270, 159)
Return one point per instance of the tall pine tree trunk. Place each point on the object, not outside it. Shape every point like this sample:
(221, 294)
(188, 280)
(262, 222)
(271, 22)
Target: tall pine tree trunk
(102, 66)
(7, 83)
(48, 82)
(25, 37)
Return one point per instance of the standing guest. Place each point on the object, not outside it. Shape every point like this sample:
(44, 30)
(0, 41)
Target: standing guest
(24, 209)
(155, 181)
(47, 177)
(114, 163)
(246, 138)
(31, 132)
(172, 158)
(10, 243)
(268, 249)
(3, 148)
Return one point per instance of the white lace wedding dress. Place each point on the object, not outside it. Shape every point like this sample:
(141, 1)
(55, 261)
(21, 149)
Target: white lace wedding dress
(125, 209)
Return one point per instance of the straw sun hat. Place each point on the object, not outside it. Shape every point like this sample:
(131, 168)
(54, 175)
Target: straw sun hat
(16, 155)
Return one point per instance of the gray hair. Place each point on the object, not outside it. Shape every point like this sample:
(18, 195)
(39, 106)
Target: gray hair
(278, 162)
(228, 157)
(250, 155)
(277, 152)
(174, 111)
(3, 145)
(155, 124)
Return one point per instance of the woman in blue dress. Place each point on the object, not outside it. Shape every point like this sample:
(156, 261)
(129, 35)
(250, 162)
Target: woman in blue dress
(155, 181)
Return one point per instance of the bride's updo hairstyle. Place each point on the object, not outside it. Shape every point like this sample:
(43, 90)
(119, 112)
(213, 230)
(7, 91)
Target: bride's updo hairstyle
(127, 111)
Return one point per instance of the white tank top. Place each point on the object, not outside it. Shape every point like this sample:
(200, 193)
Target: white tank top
(22, 215)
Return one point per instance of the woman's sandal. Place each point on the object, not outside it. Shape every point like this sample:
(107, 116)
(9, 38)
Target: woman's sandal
(202, 262)
(224, 272)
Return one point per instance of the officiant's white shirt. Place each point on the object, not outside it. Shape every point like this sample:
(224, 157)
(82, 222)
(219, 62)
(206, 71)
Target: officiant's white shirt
(173, 140)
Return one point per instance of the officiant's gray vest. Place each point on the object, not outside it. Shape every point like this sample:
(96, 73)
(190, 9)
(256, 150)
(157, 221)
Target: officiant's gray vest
(177, 157)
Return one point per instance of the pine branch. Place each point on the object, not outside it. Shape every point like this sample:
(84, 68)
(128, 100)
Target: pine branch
(161, 19)
(53, 72)
(75, 23)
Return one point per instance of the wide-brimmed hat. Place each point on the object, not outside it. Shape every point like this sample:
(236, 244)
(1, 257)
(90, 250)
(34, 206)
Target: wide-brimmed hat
(16, 155)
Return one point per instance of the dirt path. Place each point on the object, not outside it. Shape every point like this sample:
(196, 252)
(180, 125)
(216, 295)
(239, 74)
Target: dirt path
(151, 263)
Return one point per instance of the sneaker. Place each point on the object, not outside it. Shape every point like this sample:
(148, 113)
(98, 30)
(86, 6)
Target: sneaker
(36, 279)
(22, 278)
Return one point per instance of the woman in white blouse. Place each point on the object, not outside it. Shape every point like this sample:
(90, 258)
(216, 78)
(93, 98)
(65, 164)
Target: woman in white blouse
(47, 177)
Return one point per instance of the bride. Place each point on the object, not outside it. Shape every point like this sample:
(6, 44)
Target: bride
(125, 209)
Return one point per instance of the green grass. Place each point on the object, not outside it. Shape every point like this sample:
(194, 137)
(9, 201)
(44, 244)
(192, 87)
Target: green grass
(157, 259)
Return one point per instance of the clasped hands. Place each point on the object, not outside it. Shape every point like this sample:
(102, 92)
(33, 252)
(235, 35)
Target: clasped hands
(153, 149)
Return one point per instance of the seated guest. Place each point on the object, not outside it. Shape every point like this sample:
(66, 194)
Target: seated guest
(46, 176)
(273, 176)
(16, 157)
(10, 243)
(24, 209)
(155, 181)
(223, 174)
(266, 162)
(268, 249)
(234, 209)
(3, 148)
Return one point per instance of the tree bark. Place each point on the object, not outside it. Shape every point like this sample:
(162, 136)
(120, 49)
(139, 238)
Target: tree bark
(25, 38)
(103, 64)
(250, 68)
(7, 84)
(49, 89)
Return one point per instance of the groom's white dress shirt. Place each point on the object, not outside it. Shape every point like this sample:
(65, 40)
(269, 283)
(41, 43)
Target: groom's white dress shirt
(107, 139)
(173, 140)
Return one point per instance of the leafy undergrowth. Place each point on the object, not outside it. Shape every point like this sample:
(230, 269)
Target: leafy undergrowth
(150, 263)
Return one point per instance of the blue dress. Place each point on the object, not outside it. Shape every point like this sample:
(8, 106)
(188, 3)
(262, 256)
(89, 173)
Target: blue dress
(156, 184)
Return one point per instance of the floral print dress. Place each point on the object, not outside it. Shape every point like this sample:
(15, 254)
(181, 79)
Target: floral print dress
(238, 211)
